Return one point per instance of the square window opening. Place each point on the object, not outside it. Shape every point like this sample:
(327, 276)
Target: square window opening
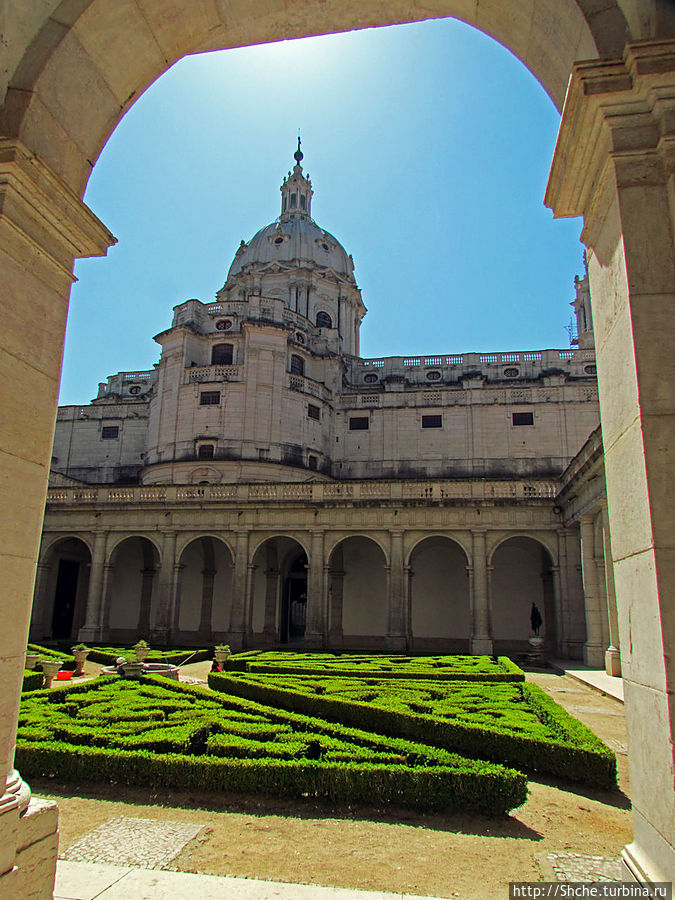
(523, 418)
(359, 423)
(432, 421)
(209, 398)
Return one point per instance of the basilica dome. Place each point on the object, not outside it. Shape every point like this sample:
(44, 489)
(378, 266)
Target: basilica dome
(294, 239)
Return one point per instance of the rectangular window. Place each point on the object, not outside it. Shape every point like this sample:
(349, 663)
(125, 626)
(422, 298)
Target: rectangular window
(523, 418)
(263, 454)
(205, 451)
(358, 423)
(313, 411)
(312, 462)
(110, 432)
(432, 421)
(209, 398)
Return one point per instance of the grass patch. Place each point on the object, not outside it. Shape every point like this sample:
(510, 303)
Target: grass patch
(159, 735)
(514, 724)
(369, 665)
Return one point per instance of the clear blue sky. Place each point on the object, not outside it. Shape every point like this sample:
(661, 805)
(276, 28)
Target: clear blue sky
(428, 146)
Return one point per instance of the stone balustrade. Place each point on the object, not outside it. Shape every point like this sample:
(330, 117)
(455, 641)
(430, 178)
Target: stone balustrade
(401, 491)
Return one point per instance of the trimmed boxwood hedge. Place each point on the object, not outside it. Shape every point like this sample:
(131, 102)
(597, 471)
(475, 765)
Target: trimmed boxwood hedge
(162, 734)
(570, 750)
(175, 656)
(32, 680)
(436, 668)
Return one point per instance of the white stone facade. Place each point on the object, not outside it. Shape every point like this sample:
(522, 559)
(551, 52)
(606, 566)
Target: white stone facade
(265, 485)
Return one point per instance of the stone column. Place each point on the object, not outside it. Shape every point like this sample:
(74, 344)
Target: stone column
(557, 602)
(271, 594)
(147, 585)
(39, 626)
(615, 165)
(481, 639)
(166, 586)
(106, 593)
(395, 631)
(208, 580)
(594, 650)
(239, 591)
(612, 653)
(315, 629)
(91, 630)
(43, 227)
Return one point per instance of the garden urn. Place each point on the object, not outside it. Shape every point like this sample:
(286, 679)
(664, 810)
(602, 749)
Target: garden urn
(80, 659)
(31, 659)
(221, 655)
(142, 652)
(50, 667)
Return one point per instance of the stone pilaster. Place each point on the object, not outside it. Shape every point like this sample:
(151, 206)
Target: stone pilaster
(315, 630)
(615, 165)
(44, 226)
(613, 652)
(91, 630)
(481, 639)
(239, 591)
(396, 595)
(166, 585)
(594, 649)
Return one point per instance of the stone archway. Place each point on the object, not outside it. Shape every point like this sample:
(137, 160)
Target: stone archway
(131, 587)
(521, 576)
(204, 592)
(358, 603)
(278, 608)
(439, 601)
(61, 590)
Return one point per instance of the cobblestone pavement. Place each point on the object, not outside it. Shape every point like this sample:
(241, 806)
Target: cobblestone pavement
(577, 867)
(126, 841)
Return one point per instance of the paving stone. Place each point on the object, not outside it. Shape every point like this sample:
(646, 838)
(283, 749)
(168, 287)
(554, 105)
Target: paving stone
(127, 841)
(577, 867)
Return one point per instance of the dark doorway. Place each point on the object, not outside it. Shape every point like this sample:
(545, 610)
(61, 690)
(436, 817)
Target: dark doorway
(65, 596)
(294, 602)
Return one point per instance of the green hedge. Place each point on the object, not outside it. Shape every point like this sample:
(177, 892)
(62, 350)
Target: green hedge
(48, 653)
(32, 680)
(108, 656)
(163, 734)
(436, 668)
(572, 751)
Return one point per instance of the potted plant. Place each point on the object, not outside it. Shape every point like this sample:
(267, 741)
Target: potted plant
(31, 659)
(50, 667)
(221, 653)
(141, 649)
(80, 652)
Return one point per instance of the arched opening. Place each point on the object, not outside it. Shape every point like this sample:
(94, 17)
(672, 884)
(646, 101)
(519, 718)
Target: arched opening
(440, 606)
(61, 591)
(131, 590)
(522, 577)
(278, 593)
(323, 320)
(297, 365)
(358, 594)
(204, 592)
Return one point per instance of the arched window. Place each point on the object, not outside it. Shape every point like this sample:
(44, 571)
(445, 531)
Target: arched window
(303, 202)
(221, 354)
(297, 365)
(323, 320)
(294, 201)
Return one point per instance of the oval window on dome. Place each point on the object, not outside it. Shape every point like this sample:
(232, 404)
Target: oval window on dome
(370, 378)
(433, 375)
(511, 372)
(278, 240)
(299, 336)
(590, 370)
(136, 389)
(224, 324)
(325, 247)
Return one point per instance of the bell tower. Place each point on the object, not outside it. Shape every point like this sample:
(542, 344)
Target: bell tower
(296, 192)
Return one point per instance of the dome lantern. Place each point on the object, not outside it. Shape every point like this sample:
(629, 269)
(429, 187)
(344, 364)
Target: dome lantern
(296, 191)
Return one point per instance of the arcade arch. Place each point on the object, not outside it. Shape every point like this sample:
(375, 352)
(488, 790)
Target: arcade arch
(439, 601)
(61, 589)
(522, 576)
(131, 589)
(204, 590)
(358, 600)
(278, 592)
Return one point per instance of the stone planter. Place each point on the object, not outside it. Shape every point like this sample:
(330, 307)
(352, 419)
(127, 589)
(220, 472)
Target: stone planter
(221, 656)
(80, 659)
(142, 653)
(50, 667)
(32, 659)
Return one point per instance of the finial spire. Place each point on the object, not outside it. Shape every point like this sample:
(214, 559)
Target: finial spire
(298, 155)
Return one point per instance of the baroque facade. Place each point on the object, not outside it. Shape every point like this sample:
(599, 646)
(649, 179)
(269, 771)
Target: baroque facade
(264, 484)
